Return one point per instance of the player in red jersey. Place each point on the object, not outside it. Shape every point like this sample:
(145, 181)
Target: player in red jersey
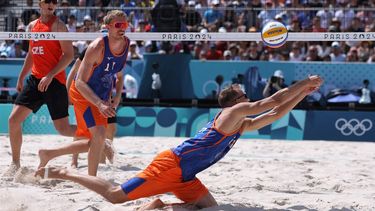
(47, 60)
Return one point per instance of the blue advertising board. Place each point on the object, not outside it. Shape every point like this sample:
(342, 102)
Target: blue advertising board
(340, 125)
(185, 122)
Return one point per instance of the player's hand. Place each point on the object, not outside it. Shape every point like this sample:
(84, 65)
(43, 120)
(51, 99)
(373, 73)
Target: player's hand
(19, 84)
(106, 109)
(314, 81)
(116, 102)
(310, 90)
(44, 83)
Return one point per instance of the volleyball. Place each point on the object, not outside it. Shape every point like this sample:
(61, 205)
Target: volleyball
(274, 34)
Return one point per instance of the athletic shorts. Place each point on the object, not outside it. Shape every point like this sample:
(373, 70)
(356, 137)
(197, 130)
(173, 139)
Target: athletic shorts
(161, 176)
(87, 116)
(56, 97)
(111, 120)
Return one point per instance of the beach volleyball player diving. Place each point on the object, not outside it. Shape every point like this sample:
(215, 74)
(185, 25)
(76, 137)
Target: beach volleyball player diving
(174, 170)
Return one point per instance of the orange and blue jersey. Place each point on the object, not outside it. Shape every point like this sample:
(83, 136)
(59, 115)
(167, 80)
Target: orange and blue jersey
(101, 82)
(174, 170)
(103, 75)
(207, 147)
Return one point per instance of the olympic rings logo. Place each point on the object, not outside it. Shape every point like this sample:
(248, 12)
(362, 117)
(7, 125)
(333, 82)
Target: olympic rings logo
(353, 126)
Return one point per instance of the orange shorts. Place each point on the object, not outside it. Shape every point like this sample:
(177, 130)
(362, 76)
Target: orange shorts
(161, 176)
(87, 116)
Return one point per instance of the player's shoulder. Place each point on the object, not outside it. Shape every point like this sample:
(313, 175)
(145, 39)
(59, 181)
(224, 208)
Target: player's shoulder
(96, 45)
(98, 42)
(59, 26)
(31, 25)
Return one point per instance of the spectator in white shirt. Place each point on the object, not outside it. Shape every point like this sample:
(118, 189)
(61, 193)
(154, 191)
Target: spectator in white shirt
(337, 55)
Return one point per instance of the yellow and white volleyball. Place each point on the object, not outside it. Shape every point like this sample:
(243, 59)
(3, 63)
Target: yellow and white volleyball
(274, 34)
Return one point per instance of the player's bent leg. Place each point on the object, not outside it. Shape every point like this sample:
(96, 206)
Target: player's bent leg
(194, 193)
(79, 146)
(64, 128)
(111, 131)
(206, 201)
(108, 151)
(116, 195)
(155, 204)
(113, 194)
(18, 115)
(96, 148)
(74, 163)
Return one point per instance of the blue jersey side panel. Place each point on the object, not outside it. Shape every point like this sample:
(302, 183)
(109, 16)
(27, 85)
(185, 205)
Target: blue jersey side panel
(203, 150)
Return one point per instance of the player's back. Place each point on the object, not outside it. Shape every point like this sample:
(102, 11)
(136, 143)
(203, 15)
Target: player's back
(207, 147)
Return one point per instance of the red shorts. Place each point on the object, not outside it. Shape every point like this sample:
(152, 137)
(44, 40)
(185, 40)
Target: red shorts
(161, 176)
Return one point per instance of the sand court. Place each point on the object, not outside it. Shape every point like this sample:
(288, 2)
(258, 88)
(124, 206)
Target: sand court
(255, 175)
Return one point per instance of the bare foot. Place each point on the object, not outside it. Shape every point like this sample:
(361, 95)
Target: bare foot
(52, 172)
(109, 150)
(43, 156)
(13, 168)
(156, 204)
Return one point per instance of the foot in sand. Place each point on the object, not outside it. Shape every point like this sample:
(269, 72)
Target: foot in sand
(155, 204)
(13, 168)
(44, 158)
(51, 172)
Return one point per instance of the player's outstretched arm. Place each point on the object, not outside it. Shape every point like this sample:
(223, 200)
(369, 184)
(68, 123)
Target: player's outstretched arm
(276, 113)
(280, 97)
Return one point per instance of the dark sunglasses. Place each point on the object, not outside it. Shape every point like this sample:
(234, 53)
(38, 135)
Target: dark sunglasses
(120, 25)
(241, 96)
(50, 1)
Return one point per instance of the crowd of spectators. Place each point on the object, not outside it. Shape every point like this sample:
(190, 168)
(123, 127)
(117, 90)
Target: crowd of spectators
(223, 16)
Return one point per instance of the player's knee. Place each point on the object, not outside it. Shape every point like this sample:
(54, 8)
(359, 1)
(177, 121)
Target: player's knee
(115, 197)
(13, 120)
(206, 201)
(99, 135)
(99, 139)
(63, 130)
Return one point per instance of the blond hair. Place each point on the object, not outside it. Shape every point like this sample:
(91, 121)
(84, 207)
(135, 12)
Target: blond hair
(112, 14)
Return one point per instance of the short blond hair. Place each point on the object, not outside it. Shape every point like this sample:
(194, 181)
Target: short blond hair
(112, 14)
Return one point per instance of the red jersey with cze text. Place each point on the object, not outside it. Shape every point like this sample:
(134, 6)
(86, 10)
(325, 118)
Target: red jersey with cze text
(45, 53)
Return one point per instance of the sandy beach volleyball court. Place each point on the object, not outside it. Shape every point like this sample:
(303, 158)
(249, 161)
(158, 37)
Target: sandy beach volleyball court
(255, 175)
